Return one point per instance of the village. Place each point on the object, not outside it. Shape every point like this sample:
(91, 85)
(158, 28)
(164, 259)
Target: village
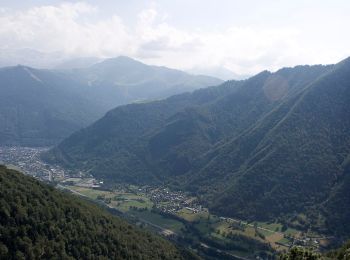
(171, 201)
(27, 160)
(125, 197)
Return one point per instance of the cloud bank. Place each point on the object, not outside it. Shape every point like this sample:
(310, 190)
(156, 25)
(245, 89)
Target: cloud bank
(77, 30)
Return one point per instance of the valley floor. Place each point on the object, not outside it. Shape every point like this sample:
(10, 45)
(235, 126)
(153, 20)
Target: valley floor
(174, 214)
(169, 210)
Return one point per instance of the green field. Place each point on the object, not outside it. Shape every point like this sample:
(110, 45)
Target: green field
(159, 220)
(284, 241)
(91, 193)
(139, 205)
(123, 201)
(291, 232)
(217, 228)
(120, 201)
(190, 216)
(271, 226)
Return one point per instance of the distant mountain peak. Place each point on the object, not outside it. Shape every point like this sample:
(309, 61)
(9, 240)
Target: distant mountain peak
(120, 60)
(124, 58)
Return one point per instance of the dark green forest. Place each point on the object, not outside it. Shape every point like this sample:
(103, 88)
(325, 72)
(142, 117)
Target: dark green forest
(297, 253)
(274, 146)
(39, 222)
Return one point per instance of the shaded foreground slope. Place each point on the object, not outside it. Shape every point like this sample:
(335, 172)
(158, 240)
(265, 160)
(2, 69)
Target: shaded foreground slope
(39, 222)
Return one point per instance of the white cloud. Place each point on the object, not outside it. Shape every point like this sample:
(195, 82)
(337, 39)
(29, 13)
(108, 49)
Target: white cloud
(237, 48)
(77, 29)
(160, 40)
(61, 28)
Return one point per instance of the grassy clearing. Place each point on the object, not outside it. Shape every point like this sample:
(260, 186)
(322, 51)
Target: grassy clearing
(91, 193)
(123, 201)
(189, 215)
(74, 180)
(284, 241)
(271, 226)
(265, 232)
(222, 227)
(158, 220)
(274, 237)
(291, 232)
(277, 237)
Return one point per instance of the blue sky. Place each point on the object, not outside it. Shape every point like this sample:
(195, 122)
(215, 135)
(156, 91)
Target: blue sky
(243, 36)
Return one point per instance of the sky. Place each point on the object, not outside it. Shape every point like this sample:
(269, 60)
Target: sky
(243, 36)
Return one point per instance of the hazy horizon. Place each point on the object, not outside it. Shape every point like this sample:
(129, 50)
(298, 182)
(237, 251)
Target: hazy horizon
(244, 38)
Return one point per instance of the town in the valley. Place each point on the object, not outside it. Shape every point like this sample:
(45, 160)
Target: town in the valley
(135, 199)
(27, 159)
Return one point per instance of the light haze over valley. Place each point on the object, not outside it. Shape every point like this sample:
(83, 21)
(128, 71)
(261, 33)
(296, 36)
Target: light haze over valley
(195, 129)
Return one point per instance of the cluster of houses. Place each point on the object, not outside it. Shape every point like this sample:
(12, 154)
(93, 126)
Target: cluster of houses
(172, 201)
(27, 160)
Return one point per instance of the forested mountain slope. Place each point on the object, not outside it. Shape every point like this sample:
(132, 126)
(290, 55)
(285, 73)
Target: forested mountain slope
(277, 145)
(157, 134)
(39, 222)
(291, 159)
(117, 133)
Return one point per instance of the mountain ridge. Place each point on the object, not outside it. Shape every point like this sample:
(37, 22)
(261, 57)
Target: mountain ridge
(59, 102)
(272, 147)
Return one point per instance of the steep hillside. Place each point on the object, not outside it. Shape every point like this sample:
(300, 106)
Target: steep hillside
(291, 159)
(169, 137)
(337, 207)
(276, 146)
(39, 222)
(112, 142)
